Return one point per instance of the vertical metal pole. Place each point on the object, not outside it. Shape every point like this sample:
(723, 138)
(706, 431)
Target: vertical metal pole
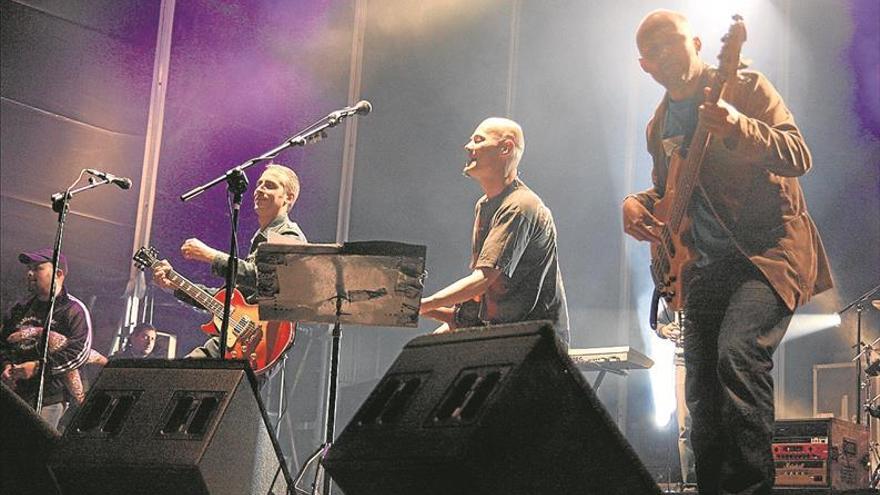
(343, 217)
(153, 142)
(513, 55)
(859, 413)
(53, 296)
(152, 146)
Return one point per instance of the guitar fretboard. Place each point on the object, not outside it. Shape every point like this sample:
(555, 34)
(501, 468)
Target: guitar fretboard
(198, 294)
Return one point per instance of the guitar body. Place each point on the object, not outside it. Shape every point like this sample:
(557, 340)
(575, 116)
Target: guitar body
(672, 258)
(262, 343)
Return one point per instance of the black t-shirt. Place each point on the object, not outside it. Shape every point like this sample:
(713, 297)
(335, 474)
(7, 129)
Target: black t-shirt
(514, 233)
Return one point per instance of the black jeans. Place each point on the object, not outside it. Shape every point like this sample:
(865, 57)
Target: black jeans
(734, 321)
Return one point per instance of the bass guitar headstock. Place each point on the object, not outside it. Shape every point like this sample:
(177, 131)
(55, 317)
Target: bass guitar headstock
(729, 60)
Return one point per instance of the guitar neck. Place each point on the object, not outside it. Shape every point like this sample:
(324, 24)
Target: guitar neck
(689, 172)
(198, 294)
(689, 176)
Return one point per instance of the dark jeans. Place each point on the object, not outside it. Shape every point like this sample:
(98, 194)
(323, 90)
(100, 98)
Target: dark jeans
(735, 321)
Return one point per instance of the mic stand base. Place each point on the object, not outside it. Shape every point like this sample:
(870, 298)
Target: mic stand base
(315, 459)
(321, 483)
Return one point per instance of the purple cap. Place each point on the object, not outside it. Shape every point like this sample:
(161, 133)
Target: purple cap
(41, 256)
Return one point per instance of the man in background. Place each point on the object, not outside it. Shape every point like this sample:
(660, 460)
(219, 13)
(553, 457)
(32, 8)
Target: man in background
(140, 344)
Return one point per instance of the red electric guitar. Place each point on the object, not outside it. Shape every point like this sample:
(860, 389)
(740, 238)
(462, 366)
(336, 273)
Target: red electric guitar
(262, 343)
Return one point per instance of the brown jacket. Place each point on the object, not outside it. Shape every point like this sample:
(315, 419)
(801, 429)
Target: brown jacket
(752, 184)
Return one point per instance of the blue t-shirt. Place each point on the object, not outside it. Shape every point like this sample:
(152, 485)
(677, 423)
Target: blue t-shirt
(710, 238)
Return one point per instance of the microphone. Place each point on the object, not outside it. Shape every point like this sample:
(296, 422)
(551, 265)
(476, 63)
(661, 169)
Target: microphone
(122, 182)
(362, 107)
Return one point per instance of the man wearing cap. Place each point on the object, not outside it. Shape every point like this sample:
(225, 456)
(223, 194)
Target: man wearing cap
(70, 339)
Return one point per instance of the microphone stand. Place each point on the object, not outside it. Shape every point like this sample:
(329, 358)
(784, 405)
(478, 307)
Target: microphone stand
(237, 182)
(60, 205)
(858, 303)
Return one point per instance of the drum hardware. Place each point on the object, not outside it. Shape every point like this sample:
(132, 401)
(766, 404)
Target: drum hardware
(859, 305)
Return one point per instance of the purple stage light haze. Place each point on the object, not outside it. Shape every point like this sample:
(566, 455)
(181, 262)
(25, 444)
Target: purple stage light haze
(236, 89)
(865, 61)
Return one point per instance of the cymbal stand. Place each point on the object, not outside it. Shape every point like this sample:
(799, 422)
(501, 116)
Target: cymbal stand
(859, 304)
(873, 409)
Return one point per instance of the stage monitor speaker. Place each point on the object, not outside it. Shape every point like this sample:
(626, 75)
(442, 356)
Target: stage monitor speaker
(171, 427)
(499, 410)
(26, 441)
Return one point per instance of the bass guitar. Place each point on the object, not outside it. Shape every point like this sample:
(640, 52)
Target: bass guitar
(671, 257)
(262, 343)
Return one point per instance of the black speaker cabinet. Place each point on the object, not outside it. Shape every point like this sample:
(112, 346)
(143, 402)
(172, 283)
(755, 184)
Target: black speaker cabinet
(499, 410)
(171, 427)
(26, 441)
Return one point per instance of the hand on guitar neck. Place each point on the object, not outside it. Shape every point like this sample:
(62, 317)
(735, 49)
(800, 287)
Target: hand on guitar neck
(721, 119)
(161, 270)
(639, 223)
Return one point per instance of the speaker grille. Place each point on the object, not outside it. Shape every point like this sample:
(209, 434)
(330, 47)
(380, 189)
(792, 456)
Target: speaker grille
(468, 395)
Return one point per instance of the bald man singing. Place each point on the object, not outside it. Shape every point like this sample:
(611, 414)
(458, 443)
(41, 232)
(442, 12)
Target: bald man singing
(515, 264)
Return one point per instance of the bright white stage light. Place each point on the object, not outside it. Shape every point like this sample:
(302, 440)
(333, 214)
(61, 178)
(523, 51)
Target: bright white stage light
(700, 12)
(802, 325)
(662, 374)
(711, 20)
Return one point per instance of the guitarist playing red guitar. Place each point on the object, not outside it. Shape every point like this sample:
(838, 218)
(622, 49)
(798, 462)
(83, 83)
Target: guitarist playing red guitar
(732, 241)
(275, 193)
